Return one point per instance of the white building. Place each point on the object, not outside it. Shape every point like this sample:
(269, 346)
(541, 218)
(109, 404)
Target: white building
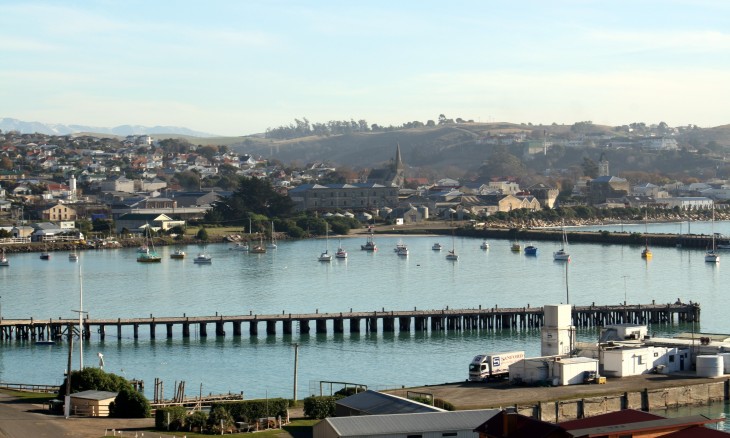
(688, 203)
(623, 361)
(554, 370)
(558, 333)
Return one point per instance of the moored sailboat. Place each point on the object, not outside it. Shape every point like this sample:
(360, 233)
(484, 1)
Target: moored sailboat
(711, 256)
(562, 254)
(149, 256)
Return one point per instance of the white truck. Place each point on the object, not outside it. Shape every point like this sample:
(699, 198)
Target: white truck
(489, 366)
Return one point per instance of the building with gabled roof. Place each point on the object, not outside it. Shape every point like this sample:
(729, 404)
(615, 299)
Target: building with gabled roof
(138, 222)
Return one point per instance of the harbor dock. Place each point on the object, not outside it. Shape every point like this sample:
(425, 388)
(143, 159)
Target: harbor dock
(487, 319)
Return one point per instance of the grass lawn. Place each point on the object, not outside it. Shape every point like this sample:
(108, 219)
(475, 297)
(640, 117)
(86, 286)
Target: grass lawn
(30, 397)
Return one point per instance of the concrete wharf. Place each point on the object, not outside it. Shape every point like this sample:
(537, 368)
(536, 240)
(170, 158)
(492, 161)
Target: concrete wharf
(495, 318)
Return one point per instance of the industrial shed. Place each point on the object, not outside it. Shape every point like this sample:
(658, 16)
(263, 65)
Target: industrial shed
(457, 424)
(379, 403)
(92, 403)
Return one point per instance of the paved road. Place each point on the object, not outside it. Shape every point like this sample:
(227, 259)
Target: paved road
(23, 420)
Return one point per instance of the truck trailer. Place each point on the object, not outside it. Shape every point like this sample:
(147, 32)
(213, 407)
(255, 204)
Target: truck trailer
(490, 366)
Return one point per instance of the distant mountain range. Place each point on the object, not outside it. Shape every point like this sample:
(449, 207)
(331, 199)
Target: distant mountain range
(8, 124)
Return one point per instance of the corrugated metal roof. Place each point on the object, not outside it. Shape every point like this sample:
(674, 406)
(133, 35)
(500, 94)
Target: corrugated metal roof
(94, 395)
(379, 403)
(410, 423)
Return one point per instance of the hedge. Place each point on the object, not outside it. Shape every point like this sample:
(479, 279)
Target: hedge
(177, 417)
(249, 410)
(320, 407)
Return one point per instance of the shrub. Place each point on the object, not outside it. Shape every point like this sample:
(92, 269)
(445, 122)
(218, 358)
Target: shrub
(320, 407)
(202, 234)
(219, 420)
(170, 418)
(249, 410)
(94, 379)
(130, 404)
(197, 420)
(443, 404)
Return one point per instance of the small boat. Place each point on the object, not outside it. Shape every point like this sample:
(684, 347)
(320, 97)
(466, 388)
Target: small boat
(203, 259)
(646, 253)
(177, 254)
(341, 253)
(369, 244)
(326, 256)
(451, 255)
(240, 247)
(531, 250)
(484, 245)
(258, 249)
(402, 250)
(436, 247)
(149, 255)
(562, 254)
(711, 256)
(4, 260)
(272, 244)
(516, 247)
(45, 255)
(73, 257)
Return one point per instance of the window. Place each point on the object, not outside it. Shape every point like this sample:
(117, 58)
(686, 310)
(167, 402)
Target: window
(448, 434)
(671, 358)
(414, 436)
(656, 354)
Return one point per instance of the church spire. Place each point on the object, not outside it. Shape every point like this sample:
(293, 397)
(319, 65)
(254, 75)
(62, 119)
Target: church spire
(398, 161)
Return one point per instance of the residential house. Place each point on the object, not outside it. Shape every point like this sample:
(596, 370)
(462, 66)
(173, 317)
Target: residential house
(607, 187)
(59, 212)
(138, 222)
(545, 194)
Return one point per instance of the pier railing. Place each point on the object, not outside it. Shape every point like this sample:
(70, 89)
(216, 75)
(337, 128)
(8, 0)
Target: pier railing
(495, 318)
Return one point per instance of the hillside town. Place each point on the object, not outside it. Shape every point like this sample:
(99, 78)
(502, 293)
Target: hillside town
(47, 183)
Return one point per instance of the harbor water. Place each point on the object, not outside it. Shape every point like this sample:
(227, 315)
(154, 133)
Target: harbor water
(289, 279)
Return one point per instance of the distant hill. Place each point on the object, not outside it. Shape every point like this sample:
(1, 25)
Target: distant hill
(8, 124)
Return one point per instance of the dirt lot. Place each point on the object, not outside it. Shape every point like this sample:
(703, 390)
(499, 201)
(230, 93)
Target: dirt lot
(467, 395)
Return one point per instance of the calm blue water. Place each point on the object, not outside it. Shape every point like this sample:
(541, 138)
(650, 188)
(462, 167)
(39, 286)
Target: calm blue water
(290, 279)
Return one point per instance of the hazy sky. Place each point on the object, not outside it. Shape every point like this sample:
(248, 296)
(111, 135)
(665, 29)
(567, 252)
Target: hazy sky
(238, 67)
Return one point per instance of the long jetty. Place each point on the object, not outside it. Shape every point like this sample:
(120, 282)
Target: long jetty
(494, 318)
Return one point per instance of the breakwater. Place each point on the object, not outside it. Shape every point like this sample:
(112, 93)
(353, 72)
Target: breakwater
(371, 322)
(602, 237)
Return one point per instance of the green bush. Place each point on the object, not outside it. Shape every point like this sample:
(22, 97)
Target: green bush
(130, 404)
(197, 419)
(320, 407)
(249, 410)
(94, 379)
(202, 234)
(219, 420)
(170, 418)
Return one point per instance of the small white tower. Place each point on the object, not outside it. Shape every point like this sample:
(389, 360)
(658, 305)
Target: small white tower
(72, 186)
(558, 333)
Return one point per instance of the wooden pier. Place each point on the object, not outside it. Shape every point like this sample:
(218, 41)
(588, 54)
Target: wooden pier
(490, 319)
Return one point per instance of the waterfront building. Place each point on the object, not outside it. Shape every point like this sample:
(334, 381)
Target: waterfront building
(332, 197)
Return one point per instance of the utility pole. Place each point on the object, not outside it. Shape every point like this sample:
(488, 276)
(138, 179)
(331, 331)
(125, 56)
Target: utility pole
(67, 397)
(296, 366)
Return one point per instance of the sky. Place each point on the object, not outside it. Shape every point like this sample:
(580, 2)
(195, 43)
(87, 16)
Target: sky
(239, 67)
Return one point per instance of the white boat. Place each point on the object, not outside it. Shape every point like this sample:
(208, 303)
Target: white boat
(516, 247)
(4, 260)
(326, 256)
(45, 255)
(341, 253)
(259, 248)
(240, 247)
(272, 244)
(401, 249)
(711, 256)
(484, 245)
(203, 259)
(562, 254)
(73, 257)
(177, 254)
(436, 247)
(451, 255)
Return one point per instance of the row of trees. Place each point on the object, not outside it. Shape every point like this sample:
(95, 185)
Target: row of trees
(303, 128)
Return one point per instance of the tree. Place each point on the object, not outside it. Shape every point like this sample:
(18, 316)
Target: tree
(96, 379)
(590, 168)
(253, 196)
(130, 404)
(202, 234)
(502, 163)
(218, 417)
